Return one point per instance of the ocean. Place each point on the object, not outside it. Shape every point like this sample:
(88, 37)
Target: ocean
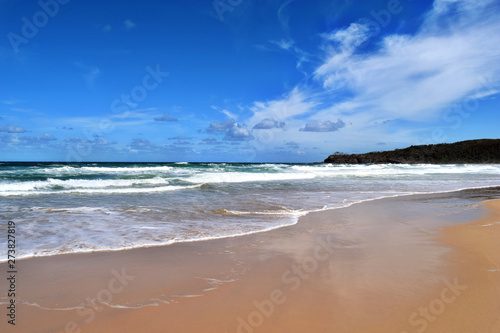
(64, 208)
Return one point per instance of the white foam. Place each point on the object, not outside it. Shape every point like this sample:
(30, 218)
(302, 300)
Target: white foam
(240, 177)
(78, 183)
(489, 224)
(138, 169)
(53, 309)
(102, 190)
(69, 170)
(375, 170)
(73, 210)
(267, 212)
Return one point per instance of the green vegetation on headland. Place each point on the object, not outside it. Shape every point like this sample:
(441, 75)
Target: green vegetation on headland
(485, 151)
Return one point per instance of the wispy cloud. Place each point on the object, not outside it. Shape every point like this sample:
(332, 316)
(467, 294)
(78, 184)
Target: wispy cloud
(228, 113)
(12, 102)
(182, 143)
(90, 73)
(166, 117)
(25, 110)
(37, 140)
(294, 103)
(283, 16)
(292, 144)
(129, 25)
(284, 44)
(136, 114)
(210, 141)
(290, 46)
(97, 140)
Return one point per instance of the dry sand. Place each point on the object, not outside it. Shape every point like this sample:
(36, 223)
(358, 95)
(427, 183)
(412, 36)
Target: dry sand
(409, 264)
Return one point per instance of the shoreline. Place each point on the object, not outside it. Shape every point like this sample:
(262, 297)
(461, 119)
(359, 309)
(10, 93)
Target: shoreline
(299, 216)
(373, 261)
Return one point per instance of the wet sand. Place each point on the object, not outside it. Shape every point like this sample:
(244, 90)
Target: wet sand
(476, 262)
(408, 264)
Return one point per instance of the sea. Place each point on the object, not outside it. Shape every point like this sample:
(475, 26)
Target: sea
(65, 208)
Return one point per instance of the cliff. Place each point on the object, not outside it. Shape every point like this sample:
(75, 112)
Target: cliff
(485, 151)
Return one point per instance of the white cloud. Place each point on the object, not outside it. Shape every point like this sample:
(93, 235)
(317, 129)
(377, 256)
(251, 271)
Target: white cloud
(269, 123)
(238, 133)
(323, 126)
(220, 127)
(141, 144)
(232, 130)
(293, 104)
(415, 77)
(12, 129)
(452, 57)
(349, 39)
(484, 94)
(468, 7)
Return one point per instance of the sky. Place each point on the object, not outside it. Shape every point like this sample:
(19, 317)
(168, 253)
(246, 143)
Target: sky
(242, 80)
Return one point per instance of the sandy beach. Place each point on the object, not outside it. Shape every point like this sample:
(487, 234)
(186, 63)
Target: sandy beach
(422, 263)
(233, 166)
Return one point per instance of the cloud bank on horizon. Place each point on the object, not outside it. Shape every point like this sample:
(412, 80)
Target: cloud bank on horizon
(286, 81)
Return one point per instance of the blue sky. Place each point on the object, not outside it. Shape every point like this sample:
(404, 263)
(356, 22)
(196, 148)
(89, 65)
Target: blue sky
(241, 80)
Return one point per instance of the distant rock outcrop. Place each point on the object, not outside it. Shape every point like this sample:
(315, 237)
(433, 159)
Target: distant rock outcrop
(485, 151)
